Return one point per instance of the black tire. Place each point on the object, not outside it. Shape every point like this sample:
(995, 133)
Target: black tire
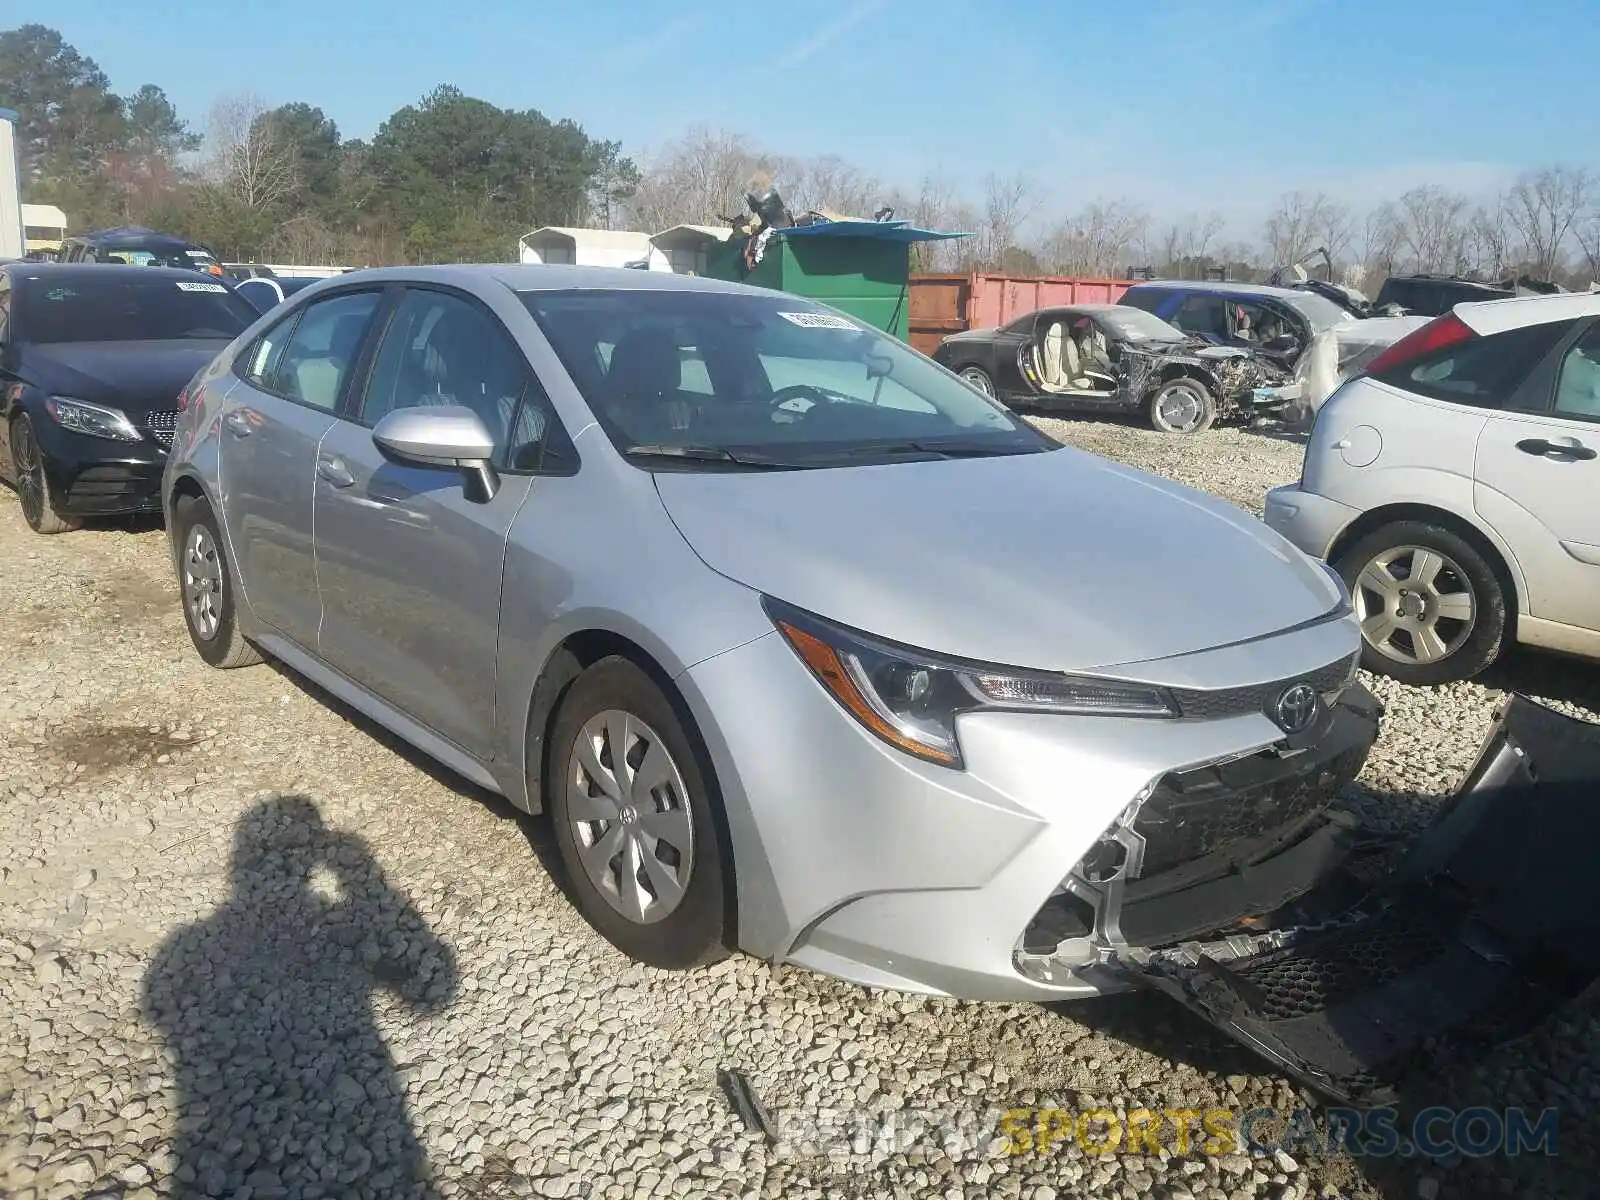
(1187, 388)
(1470, 647)
(695, 932)
(980, 379)
(221, 645)
(33, 492)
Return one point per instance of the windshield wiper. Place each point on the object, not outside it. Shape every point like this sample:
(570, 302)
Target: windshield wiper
(942, 449)
(663, 450)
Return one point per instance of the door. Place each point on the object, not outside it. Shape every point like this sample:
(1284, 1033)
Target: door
(409, 567)
(1538, 482)
(290, 383)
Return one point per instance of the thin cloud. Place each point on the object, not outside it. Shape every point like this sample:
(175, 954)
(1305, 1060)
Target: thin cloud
(642, 50)
(831, 32)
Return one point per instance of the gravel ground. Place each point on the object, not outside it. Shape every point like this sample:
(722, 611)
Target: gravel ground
(251, 948)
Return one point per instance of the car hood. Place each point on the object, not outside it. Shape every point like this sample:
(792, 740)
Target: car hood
(135, 376)
(1059, 560)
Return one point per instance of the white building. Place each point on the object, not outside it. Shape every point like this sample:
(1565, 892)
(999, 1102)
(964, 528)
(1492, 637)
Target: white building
(589, 248)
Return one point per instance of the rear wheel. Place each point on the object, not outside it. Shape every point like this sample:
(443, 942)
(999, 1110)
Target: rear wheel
(634, 822)
(33, 492)
(1182, 405)
(207, 587)
(1431, 607)
(978, 378)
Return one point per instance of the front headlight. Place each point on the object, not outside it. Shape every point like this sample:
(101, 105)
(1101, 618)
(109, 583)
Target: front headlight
(92, 419)
(911, 698)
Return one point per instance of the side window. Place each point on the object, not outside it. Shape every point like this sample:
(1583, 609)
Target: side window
(319, 355)
(257, 364)
(1145, 298)
(1481, 372)
(5, 306)
(1578, 389)
(1203, 315)
(441, 350)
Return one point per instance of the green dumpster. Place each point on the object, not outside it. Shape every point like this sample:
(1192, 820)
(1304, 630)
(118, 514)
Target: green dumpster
(859, 267)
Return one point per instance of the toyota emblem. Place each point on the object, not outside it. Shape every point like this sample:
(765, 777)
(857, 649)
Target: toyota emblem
(1296, 708)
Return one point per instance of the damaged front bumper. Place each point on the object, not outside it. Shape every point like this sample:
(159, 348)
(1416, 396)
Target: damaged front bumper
(1204, 849)
(1481, 928)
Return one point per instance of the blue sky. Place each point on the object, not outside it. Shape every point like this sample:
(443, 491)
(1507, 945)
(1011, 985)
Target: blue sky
(1181, 105)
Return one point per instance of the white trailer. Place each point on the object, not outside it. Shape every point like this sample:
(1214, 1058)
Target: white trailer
(10, 188)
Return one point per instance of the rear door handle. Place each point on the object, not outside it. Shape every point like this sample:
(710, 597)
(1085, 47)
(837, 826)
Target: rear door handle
(334, 471)
(238, 424)
(1565, 448)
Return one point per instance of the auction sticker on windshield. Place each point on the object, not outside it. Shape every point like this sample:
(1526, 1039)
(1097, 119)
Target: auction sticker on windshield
(200, 287)
(813, 320)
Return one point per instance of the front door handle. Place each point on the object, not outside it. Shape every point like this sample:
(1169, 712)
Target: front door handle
(334, 471)
(1565, 448)
(238, 424)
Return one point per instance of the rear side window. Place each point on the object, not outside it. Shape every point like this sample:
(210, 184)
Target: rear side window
(1482, 372)
(1578, 387)
(1144, 298)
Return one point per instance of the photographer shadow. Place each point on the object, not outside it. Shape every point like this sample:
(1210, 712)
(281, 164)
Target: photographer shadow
(285, 1086)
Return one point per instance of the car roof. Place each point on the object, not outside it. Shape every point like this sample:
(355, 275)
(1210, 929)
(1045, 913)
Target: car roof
(1221, 289)
(538, 277)
(1495, 316)
(35, 270)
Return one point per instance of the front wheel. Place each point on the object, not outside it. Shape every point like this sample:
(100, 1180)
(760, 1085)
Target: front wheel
(1431, 607)
(979, 378)
(33, 492)
(634, 819)
(207, 587)
(1182, 406)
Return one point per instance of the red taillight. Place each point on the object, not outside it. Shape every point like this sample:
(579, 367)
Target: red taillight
(1435, 335)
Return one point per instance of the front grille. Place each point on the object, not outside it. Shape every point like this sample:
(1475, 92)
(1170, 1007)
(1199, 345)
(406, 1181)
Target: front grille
(162, 425)
(1261, 697)
(1192, 814)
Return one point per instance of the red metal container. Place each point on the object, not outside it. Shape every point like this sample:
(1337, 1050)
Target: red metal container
(946, 304)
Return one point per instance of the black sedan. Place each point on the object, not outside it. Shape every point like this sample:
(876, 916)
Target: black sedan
(92, 361)
(1110, 358)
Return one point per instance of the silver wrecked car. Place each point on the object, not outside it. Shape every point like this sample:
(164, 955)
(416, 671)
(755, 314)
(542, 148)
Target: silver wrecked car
(806, 647)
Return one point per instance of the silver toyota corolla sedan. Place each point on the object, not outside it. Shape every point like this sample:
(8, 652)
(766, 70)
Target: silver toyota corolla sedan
(806, 647)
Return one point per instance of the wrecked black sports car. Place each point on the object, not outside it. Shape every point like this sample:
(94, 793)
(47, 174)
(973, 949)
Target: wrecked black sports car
(1113, 358)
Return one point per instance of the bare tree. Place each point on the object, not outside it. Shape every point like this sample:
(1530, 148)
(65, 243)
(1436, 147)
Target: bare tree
(1303, 222)
(1589, 241)
(695, 180)
(1096, 240)
(1488, 245)
(1544, 206)
(827, 184)
(935, 205)
(1008, 204)
(247, 156)
(1186, 242)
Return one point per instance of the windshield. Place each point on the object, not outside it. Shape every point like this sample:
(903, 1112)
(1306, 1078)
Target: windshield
(768, 380)
(133, 307)
(1318, 310)
(1136, 325)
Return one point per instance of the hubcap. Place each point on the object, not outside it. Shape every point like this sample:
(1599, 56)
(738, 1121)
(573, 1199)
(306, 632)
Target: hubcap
(630, 816)
(202, 582)
(979, 380)
(1416, 605)
(30, 472)
(1180, 409)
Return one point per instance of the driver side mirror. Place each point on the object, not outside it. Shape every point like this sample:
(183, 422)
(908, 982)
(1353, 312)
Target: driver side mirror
(450, 436)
